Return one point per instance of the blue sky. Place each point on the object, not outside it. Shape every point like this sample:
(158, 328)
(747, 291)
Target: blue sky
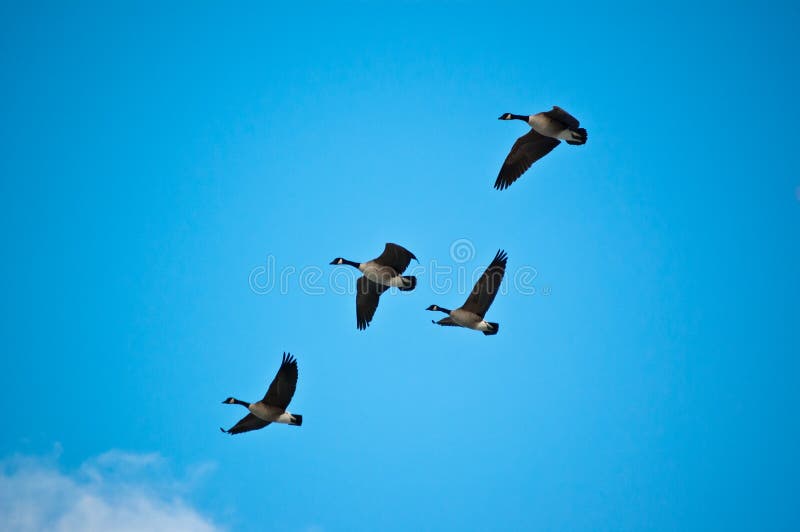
(155, 157)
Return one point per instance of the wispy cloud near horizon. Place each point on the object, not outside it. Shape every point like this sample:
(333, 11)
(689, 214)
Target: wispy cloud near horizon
(115, 491)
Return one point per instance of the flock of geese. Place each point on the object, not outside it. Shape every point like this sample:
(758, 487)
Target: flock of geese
(547, 131)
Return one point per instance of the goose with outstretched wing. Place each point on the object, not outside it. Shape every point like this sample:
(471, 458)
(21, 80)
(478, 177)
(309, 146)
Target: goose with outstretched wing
(272, 408)
(378, 276)
(548, 129)
(471, 313)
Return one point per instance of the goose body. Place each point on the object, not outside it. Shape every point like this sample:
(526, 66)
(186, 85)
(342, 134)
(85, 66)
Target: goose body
(548, 129)
(273, 407)
(471, 314)
(471, 320)
(378, 276)
(272, 414)
(545, 124)
(384, 275)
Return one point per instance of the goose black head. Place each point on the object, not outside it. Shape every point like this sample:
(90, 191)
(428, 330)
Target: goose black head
(337, 261)
(505, 116)
(229, 401)
(433, 307)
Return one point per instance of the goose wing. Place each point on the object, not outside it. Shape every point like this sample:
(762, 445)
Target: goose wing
(283, 385)
(488, 285)
(528, 149)
(397, 257)
(557, 113)
(367, 296)
(246, 424)
(448, 322)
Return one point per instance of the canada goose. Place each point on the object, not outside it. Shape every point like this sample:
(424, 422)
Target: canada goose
(379, 275)
(471, 313)
(546, 130)
(272, 408)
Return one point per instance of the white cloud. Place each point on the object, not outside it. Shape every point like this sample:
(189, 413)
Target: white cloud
(116, 491)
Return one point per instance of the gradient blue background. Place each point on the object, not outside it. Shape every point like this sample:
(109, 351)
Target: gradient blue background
(153, 156)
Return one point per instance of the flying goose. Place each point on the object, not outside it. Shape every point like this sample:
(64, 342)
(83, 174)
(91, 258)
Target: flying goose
(272, 408)
(546, 130)
(379, 275)
(471, 313)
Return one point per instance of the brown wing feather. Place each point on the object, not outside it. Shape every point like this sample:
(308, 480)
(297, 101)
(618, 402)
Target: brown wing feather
(528, 149)
(367, 296)
(246, 424)
(488, 285)
(284, 384)
(397, 257)
(557, 113)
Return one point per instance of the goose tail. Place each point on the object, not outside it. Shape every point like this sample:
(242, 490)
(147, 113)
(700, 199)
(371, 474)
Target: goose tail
(494, 328)
(579, 137)
(409, 283)
(297, 420)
